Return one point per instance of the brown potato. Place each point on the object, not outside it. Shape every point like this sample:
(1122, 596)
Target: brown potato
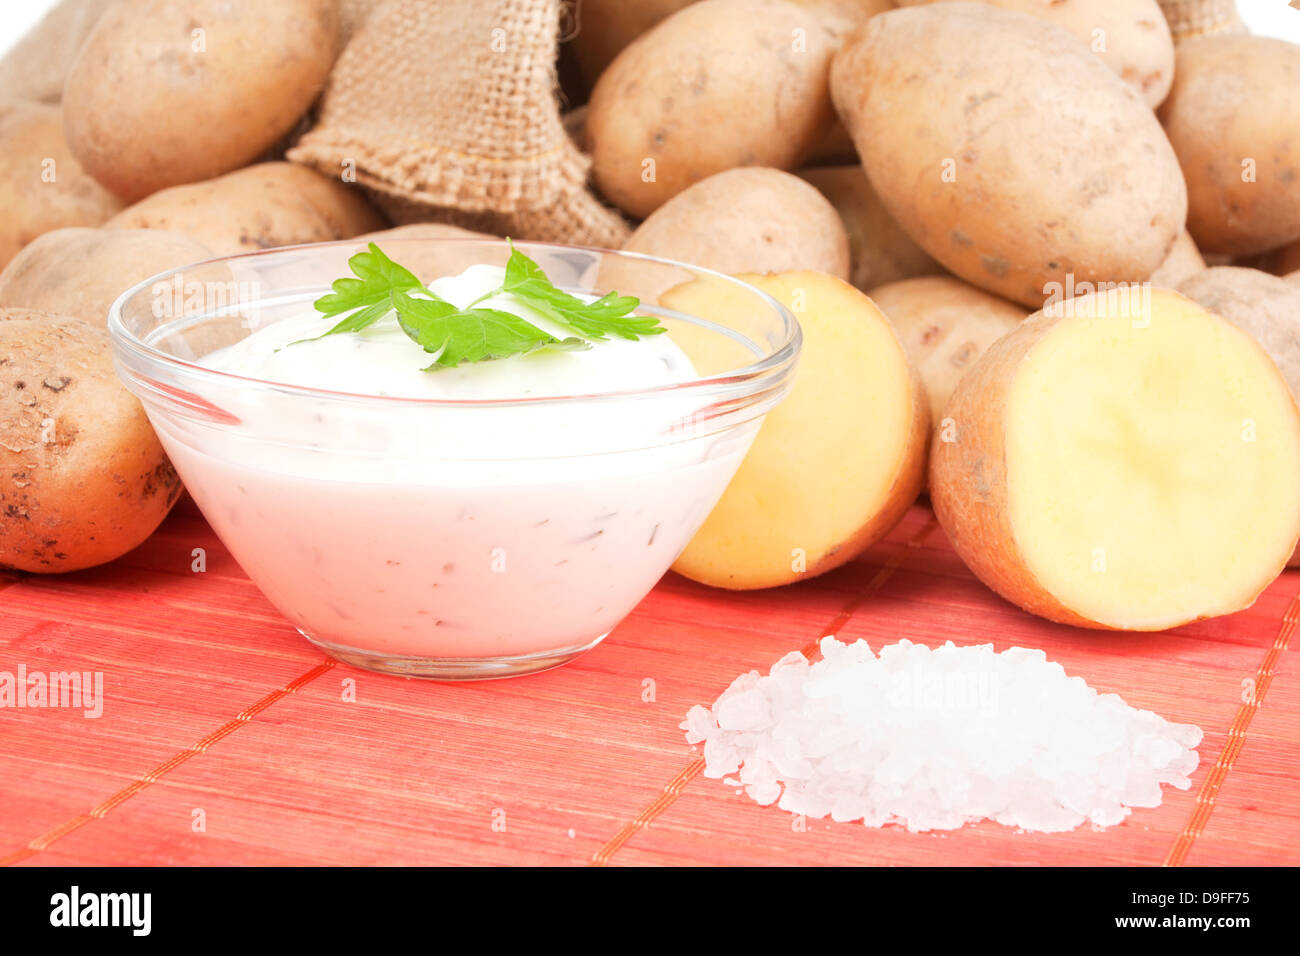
(258, 207)
(719, 84)
(1020, 162)
(41, 185)
(879, 250)
(605, 27)
(86, 479)
(747, 220)
(1130, 36)
(1281, 262)
(945, 325)
(36, 67)
(426, 261)
(424, 230)
(1129, 461)
(165, 93)
(1183, 262)
(80, 272)
(1231, 117)
(834, 146)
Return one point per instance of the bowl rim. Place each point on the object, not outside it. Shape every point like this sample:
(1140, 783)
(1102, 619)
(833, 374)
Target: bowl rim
(778, 359)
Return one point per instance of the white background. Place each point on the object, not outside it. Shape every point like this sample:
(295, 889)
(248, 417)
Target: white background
(1270, 17)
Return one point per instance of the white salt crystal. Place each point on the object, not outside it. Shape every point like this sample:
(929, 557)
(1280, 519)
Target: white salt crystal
(934, 738)
(746, 710)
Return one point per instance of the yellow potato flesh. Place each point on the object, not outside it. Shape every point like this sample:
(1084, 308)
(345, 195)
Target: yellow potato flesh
(1151, 468)
(835, 464)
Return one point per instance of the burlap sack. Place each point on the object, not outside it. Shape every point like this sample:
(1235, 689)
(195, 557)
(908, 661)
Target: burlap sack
(1189, 18)
(448, 112)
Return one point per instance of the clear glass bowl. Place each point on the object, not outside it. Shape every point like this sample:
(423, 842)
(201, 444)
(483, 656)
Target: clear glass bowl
(387, 530)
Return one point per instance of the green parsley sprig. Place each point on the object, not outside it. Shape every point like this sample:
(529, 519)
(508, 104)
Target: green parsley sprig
(457, 336)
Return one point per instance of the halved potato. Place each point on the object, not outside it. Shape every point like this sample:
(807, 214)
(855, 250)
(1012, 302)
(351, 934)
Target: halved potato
(1128, 461)
(836, 464)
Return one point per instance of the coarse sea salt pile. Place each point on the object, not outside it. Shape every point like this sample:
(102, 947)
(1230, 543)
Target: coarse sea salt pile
(934, 739)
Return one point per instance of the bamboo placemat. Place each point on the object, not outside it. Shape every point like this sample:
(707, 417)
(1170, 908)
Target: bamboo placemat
(227, 739)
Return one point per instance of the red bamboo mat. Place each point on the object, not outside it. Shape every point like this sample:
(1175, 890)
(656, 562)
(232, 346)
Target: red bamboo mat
(226, 739)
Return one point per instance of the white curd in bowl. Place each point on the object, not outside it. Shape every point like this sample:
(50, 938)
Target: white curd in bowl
(487, 520)
(451, 533)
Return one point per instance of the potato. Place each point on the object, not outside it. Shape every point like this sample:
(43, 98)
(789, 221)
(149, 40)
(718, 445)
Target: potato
(1183, 262)
(165, 93)
(1019, 161)
(424, 230)
(879, 250)
(258, 207)
(719, 84)
(945, 325)
(41, 185)
(1281, 262)
(840, 18)
(606, 27)
(35, 68)
(836, 464)
(747, 220)
(81, 272)
(428, 262)
(1265, 306)
(1127, 460)
(1231, 117)
(86, 480)
(1130, 36)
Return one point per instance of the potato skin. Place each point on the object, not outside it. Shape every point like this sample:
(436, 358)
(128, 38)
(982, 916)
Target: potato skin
(41, 185)
(1015, 161)
(748, 220)
(1183, 262)
(1236, 99)
(715, 86)
(945, 325)
(424, 230)
(258, 207)
(879, 250)
(81, 272)
(1284, 261)
(145, 110)
(1139, 48)
(86, 479)
(606, 27)
(37, 65)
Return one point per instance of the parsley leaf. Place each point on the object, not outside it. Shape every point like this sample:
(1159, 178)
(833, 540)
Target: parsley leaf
(458, 336)
(370, 294)
(608, 315)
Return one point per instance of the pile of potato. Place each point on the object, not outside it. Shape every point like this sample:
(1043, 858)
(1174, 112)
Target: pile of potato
(955, 199)
(1106, 461)
(137, 136)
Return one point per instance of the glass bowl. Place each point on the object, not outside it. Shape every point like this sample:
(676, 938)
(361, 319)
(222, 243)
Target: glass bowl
(456, 540)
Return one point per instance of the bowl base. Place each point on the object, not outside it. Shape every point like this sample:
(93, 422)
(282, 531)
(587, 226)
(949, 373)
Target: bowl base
(451, 668)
